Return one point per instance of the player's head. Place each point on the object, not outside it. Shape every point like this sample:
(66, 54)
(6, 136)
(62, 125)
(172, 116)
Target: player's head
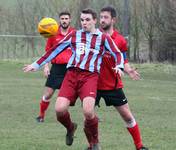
(88, 19)
(107, 17)
(64, 19)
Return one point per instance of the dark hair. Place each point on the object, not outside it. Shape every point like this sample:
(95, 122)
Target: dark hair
(90, 11)
(64, 13)
(110, 9)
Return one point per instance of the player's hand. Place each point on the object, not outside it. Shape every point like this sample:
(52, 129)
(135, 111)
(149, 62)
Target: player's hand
(118, 70)
(29, 68)
(121, 73)
(46, 71)
(134, 74)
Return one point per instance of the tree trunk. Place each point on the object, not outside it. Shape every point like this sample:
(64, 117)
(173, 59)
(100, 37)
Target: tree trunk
(168, 41)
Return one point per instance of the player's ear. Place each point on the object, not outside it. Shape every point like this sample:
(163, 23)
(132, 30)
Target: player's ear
(114, 19)
(70, 20)
(95, 20)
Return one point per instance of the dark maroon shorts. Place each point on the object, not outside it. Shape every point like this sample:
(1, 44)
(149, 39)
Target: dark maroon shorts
(78, 83)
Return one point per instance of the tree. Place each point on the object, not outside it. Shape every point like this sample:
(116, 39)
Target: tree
(168, 42)
(126, 23)
(151, 23)
(135, 31)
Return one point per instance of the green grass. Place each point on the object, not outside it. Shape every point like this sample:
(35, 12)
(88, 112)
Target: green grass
(152, 100)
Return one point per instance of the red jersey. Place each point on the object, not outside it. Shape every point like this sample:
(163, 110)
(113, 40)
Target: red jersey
(108, 79)
(63, 57)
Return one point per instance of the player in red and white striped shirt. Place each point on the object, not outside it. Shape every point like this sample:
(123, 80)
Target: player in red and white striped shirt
(88, 46)
(110, 84)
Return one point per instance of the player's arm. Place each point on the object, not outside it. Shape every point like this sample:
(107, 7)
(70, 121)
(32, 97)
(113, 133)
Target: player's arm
(46, 69)
(50, 54)
(128, 69)
(116, 53)
(132, 72)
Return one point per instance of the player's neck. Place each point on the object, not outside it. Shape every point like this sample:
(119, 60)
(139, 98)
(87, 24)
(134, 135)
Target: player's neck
(109, 31)
(93, 30)
(64, 31)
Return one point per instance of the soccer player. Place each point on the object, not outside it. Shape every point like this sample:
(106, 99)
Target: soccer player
(111, 90)
(88, 46)
(56, 75)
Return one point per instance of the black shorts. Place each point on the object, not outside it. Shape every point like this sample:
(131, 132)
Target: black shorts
(111, 97)
(56, 76)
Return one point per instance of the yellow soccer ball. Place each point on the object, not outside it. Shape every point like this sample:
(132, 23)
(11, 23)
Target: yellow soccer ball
(48, 27)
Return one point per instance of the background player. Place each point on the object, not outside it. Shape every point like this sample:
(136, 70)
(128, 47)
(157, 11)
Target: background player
(111, 89)
(56, 75)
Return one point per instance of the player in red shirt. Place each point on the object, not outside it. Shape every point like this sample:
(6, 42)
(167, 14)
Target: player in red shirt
(110, 84)
(56, 75)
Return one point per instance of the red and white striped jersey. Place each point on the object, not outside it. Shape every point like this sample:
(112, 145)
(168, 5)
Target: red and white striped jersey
(64, 56)
(87, 50)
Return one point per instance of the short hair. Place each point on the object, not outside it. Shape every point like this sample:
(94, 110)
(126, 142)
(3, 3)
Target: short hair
(110, 9)
(90, 11)
(64, 13)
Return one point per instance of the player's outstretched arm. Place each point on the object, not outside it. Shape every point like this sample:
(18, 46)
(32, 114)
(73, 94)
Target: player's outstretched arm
(132, 72)
(29, 68)
(115, 52)
(46, 70)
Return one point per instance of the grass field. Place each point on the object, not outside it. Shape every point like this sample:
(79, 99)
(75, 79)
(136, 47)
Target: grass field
(152, 100)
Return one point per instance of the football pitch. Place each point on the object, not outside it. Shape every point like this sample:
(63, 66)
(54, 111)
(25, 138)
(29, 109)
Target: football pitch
(152, 100)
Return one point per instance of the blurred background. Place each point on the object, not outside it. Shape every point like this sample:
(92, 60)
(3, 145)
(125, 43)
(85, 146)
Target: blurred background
(148, 25)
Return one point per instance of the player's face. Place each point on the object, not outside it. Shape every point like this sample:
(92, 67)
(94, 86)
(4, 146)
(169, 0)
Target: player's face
(106, 21)
(64, 21)
(87, 22)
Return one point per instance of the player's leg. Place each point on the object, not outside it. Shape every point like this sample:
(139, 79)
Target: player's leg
(91, 121)
(118, 99)
(63, 116)
(53, 82)
(132, 125)
(67, 96)
(44, 103)
(87, 95)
